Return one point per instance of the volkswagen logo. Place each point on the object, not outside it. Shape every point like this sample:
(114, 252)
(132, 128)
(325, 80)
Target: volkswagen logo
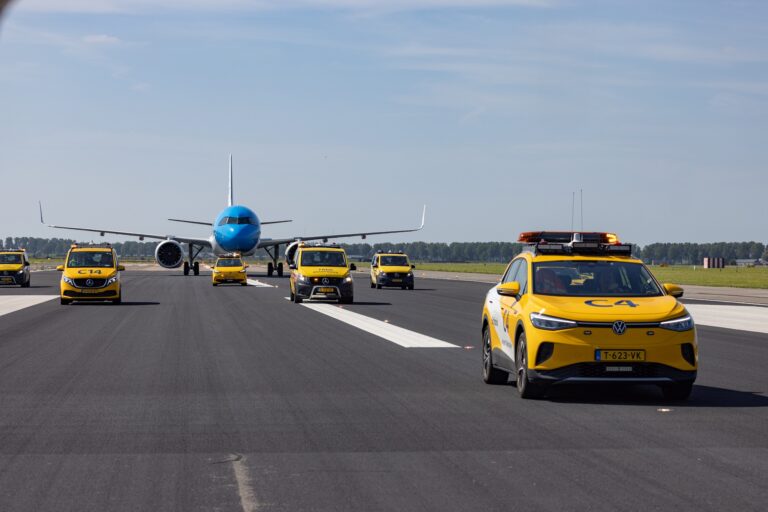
(89, 282)
(619, 327)
(326, 280)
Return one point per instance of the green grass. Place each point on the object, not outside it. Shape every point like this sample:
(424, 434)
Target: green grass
(737, 277)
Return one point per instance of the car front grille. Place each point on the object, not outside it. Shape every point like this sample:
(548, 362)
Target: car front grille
(94, 283)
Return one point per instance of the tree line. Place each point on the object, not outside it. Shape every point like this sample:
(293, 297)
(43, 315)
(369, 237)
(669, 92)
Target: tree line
(501, 252)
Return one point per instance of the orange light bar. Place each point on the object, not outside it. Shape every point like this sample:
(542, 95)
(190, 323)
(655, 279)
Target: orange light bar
(532, 237)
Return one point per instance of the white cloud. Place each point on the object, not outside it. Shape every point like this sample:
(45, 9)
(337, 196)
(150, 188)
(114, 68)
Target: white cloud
(101, 39)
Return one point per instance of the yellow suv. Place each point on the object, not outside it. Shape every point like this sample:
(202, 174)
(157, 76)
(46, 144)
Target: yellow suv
(91, 273)
(577, 307)
(391, 269)
(230, 269)
(321, 272)
(14, 267)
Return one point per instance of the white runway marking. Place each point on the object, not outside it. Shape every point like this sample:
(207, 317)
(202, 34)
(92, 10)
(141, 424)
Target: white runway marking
(247, 497)
(389, 332)
(259, 284)
(741, 318)
(11, 303)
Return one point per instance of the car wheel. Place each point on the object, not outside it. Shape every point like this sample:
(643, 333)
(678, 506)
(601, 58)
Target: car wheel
(215, 284)
(26, 284)
(491, 375)
(525, 388)
(373, 285)
(244, 283)
(346, 300)
(118, 300)
(296, 298)
(378, 286)
(677, 392)
(66, 302)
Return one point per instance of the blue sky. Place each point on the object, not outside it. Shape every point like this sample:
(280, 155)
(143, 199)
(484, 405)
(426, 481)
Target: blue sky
(349, 115)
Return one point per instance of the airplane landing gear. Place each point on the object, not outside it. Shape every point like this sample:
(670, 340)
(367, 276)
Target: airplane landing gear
(192, 265)
(274, 266)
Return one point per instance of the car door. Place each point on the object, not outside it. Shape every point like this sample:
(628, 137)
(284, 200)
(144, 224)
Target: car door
(497, 308)
(513, 308)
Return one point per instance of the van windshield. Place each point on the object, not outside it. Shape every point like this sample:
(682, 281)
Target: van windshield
(594, 279)
(10, 259)
(90, 259)
(394, 261)
(323, 259)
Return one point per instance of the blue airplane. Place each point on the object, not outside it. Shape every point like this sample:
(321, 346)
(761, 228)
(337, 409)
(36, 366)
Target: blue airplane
(236, 229)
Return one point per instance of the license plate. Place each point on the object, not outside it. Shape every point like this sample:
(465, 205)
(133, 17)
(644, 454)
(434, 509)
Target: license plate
(7, 280)
(397, 280)
(91, 291)
(326, 290)
(620, 355)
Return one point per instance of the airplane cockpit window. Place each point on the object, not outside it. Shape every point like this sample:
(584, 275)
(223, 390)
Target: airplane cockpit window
(237, 220)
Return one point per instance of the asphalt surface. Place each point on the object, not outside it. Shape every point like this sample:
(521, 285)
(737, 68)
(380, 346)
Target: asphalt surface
(189, 397)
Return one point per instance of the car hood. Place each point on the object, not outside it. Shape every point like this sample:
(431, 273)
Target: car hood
(402, 270)
(11, 266)
(89, 273)
(608, 309)
(324, 271)
(228, 270)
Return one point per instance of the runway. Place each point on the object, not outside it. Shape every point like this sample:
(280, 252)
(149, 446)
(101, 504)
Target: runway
(188, 397)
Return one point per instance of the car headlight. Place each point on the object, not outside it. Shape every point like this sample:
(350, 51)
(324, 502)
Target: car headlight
(242, 271)
(348, 279)
(383, 274)
(69, 281)
(112, 280)
(410, 274)
(20, 271)
(678, 324)
(550, 323)
(302, 278)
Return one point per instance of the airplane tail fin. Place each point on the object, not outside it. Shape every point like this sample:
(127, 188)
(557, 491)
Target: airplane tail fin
(231, 199)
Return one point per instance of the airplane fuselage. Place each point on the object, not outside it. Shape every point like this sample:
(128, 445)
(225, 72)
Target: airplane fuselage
(236, 229)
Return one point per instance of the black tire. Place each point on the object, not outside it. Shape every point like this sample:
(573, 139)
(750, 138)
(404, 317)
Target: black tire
(296, 298)
(215, 284)
(270, 269)
(118, 300)
(525, 388)
(244, 283)
(378, 286)
(373, 285)
(491, 375)
(26, 284)
(196, 268)
(677, 392)
(346, 300)
(186, 268)
(411, 287)
(66, 302)
(280, 269)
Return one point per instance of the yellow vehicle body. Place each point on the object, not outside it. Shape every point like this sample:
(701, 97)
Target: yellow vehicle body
(91, 274)
(321, 273)
(14, 268)
(542, 332)
(392, 269)
(229, 269)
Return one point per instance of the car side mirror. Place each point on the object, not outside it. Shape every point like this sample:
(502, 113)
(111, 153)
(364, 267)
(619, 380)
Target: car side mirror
(246, 266)
(413, 266)
(673, 290)
(292, 266)
(511, 289)
(352, 267)
(26, 263)
(60, 268)
(375, 265)
(120, 268)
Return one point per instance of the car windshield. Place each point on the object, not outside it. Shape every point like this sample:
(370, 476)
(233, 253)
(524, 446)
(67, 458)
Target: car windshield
(230, 262)
(90, 259)
(10, 259)
(394, 261)
(323, 259)
(593, 279)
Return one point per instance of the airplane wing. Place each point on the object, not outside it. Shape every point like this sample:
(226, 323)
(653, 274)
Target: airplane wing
(204, 242)
(211, 224)
(267, 242)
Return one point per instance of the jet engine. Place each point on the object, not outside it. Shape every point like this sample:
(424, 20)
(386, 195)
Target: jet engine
(169, 254)
(290, 251)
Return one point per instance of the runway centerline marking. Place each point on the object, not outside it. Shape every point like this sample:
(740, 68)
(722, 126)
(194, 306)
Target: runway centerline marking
(393, 333)
(259, 284)
(11, 303)
(740, 318)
